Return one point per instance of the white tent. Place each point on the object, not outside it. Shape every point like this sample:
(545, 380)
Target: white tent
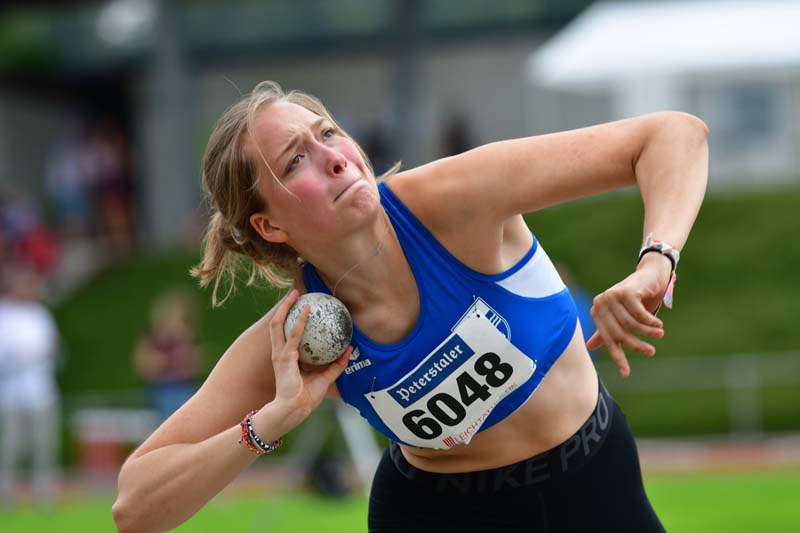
(736, 64)
(613, 41)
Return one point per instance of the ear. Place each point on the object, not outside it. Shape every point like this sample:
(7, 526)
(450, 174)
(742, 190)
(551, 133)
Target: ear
(261, 223)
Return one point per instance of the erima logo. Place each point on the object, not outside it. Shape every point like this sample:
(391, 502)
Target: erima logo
(356, 365)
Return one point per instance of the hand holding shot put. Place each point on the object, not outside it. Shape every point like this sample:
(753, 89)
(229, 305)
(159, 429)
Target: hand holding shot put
(466, 349)
(328, 329)
(301, 384)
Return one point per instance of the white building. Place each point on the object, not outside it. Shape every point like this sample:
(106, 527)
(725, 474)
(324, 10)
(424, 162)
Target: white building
(735, 64)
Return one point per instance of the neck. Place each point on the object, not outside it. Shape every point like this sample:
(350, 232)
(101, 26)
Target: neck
(354, 268)
(378, 287)
(375, 253)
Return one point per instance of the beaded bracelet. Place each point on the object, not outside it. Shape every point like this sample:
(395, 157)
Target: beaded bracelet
(251, 440)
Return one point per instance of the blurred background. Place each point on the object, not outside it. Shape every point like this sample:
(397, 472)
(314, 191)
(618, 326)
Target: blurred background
(105, 109)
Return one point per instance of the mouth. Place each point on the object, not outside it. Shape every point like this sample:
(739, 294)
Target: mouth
(347, 188)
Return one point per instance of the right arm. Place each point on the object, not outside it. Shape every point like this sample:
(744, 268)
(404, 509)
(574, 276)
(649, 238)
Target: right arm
(196, 452)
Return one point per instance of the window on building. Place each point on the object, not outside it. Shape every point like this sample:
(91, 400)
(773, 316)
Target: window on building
(748, 115)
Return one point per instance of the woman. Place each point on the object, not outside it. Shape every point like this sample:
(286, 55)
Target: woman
(459, 318)
(166, 355)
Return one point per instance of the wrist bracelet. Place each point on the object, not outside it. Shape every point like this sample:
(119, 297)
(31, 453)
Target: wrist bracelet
(668, 251)
(251, 440)
(652, 245)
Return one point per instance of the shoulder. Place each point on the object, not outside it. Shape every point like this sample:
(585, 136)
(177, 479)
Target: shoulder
(440, 193)
(445, 196)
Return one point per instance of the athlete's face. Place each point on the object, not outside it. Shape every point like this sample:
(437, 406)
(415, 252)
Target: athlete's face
(323, 185)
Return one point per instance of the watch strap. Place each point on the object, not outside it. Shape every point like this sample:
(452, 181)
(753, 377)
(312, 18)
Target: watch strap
(671, 253)
(667, 250)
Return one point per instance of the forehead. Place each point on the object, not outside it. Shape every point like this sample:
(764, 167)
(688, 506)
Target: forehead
(277, 123)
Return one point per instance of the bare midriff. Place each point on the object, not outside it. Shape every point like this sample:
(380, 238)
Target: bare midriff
(562, 403)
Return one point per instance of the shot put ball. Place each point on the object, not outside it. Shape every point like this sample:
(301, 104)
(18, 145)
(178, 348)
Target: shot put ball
(328, 331)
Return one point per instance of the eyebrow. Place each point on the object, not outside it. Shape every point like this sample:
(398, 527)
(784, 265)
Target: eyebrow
(295, 138)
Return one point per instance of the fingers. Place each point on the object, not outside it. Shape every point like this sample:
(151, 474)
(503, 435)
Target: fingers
(308, 367)
(622, 326)
(613, 330)
(337, 367)
(279, 318)
(620, 315)
(285, 349)
(595, 341)
(633, 316)
(618, 356)
(318, 382)
(296, 334)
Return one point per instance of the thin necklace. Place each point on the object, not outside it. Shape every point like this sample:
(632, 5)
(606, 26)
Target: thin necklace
(376, 252)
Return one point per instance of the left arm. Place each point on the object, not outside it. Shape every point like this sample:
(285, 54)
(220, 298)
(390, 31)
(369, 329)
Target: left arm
(665, 154)
(671, 171)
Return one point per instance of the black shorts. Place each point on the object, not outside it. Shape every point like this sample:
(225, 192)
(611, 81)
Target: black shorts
(590, 482)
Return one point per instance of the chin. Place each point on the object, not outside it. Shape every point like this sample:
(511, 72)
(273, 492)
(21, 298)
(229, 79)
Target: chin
(366, 197)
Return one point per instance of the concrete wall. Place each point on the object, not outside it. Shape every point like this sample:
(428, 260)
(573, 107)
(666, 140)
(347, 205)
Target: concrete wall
(482, 82)
(357, 91)
(753, 115)
(770, 151)
(29, 129)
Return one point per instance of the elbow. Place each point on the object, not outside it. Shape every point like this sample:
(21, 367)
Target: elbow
(128, 512)
(122, 511)
(123, 519)
(692, 125)
(697, 124)
(703, 126)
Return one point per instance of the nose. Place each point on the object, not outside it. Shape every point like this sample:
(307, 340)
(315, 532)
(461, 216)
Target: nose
(335, 162)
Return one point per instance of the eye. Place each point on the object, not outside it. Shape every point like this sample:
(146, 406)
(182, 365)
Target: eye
(294, 162)
(327, 133)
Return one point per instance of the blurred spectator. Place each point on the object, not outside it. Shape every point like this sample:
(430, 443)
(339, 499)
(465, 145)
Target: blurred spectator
(67, 185)
(39, 248)
(69, 190)
(26, 238)
(583, 302)
(167, 356)
(455, 136)
(29, 399)
(109, 167)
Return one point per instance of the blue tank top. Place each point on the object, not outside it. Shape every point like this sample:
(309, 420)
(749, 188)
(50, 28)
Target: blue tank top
(480, 347)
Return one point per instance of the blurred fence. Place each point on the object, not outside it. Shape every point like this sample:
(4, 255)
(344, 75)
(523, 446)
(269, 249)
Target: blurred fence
(741, 376)
(106, 425)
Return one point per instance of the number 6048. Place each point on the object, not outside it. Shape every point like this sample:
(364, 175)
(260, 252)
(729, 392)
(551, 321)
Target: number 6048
(445, 409)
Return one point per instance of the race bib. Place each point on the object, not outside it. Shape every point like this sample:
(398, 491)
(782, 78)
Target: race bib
(445, 400)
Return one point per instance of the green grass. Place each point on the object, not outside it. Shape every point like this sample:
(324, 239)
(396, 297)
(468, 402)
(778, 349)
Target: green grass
(686, 503)
(765, 502)
(240, 514)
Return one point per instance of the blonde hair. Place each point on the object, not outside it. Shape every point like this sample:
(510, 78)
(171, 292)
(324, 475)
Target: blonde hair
(230, 179)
